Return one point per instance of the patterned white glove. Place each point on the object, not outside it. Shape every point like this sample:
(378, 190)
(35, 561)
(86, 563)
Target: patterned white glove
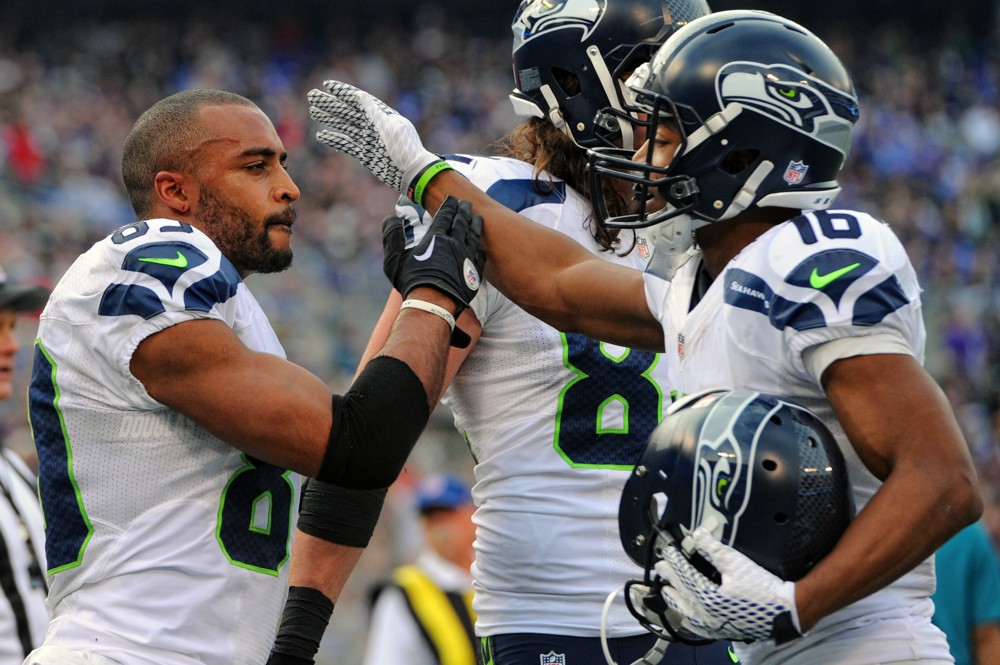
(387, 144)
(745, 603)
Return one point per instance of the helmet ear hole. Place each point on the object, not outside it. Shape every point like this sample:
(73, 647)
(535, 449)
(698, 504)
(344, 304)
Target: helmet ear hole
(567, 81)
(737, 161)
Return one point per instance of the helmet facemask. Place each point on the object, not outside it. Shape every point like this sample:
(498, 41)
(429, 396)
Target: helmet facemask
(773, 132)
(647, 180)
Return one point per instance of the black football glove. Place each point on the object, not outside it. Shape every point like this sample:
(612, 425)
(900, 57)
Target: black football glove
(449, 258)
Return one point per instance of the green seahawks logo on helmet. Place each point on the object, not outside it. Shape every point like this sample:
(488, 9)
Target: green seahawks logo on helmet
(791, 97)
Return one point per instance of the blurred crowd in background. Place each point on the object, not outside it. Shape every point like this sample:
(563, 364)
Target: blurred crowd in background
(926, 159)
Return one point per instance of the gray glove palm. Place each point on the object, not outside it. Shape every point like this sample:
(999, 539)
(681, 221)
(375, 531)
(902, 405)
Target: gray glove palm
(747, 602)
(383, 141)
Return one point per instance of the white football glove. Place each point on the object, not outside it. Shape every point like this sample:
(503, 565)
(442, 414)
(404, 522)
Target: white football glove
(749, 603)
(387, 144)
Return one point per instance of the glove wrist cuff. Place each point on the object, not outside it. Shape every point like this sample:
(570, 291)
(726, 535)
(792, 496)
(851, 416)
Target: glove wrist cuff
(419, 183)
(785, 628)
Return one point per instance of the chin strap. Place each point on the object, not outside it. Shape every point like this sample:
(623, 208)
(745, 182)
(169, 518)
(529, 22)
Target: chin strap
(554, 115)
(673, 242)
(654, 655)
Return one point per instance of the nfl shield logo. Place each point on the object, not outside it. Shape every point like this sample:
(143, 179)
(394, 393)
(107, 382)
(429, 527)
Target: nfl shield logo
(795, 172)
(680, 345)
(553, 658)
(641, 248)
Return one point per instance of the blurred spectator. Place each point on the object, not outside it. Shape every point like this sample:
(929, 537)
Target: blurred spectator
(23, 616)
(423, 614)
(966, 603)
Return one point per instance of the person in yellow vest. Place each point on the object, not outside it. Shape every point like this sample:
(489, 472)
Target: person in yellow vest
(423, 614)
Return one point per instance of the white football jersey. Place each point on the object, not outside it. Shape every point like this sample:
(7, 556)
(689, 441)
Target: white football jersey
(823, 276)
(165, 545)
(555, 423)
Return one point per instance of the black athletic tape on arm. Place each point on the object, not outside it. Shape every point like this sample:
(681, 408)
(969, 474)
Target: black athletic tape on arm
(375, 426)
(339, 515)
(303, 622)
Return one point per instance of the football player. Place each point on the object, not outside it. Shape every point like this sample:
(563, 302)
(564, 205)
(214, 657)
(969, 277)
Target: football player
(554, 420)
(762, 286)
(166, 417)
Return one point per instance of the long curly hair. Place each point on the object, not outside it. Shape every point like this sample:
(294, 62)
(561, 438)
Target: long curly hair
(539, 143)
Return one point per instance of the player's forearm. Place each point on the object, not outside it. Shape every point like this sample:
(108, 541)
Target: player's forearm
(553, 277)
(921, 504)
(322, 565)
(420, 340)
(912, 442)
(903, 524)
(522, 256)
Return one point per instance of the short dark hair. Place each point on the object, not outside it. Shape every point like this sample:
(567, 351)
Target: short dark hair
(163, 139)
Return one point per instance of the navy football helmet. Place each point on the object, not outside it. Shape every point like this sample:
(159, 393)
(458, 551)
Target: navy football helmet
(765, 112)
(569, 57)
(762, 472)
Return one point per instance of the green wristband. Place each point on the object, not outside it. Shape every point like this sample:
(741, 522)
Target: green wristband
(416, 190)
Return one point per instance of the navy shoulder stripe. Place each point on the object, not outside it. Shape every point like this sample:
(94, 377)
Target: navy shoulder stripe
(522, 194)
(166, 262)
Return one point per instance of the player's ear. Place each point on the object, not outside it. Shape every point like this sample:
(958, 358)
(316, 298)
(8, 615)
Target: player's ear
(174, 190)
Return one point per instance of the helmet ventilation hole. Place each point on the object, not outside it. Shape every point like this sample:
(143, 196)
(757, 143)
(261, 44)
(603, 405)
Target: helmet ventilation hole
(769, 465)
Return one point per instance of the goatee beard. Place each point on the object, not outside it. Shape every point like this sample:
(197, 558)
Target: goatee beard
(243, 241)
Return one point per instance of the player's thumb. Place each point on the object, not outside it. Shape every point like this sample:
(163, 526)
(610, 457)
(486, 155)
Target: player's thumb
(393, 246)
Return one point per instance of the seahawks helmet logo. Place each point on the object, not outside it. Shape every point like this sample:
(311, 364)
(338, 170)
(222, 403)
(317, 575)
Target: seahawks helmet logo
(721, 491)
(719, 470)
(790, 97)
(538, 16)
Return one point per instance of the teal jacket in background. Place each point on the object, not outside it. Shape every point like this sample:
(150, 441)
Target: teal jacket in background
(968, 588)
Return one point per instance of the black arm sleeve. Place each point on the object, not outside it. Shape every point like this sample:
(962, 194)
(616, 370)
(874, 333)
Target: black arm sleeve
(303, 623)
(338, 515)
(375, 426)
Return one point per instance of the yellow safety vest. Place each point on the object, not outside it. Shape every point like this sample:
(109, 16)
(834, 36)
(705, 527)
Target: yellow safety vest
(445, 617)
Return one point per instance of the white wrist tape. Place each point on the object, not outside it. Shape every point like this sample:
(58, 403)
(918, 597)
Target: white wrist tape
(430, 307)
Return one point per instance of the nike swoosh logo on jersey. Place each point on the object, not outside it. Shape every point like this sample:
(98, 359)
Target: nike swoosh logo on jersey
(818, 281)
(732, 654)
(427, 254)
(180, 262)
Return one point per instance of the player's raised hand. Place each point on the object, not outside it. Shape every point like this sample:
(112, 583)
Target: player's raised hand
(387, 144)
(449, 258)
